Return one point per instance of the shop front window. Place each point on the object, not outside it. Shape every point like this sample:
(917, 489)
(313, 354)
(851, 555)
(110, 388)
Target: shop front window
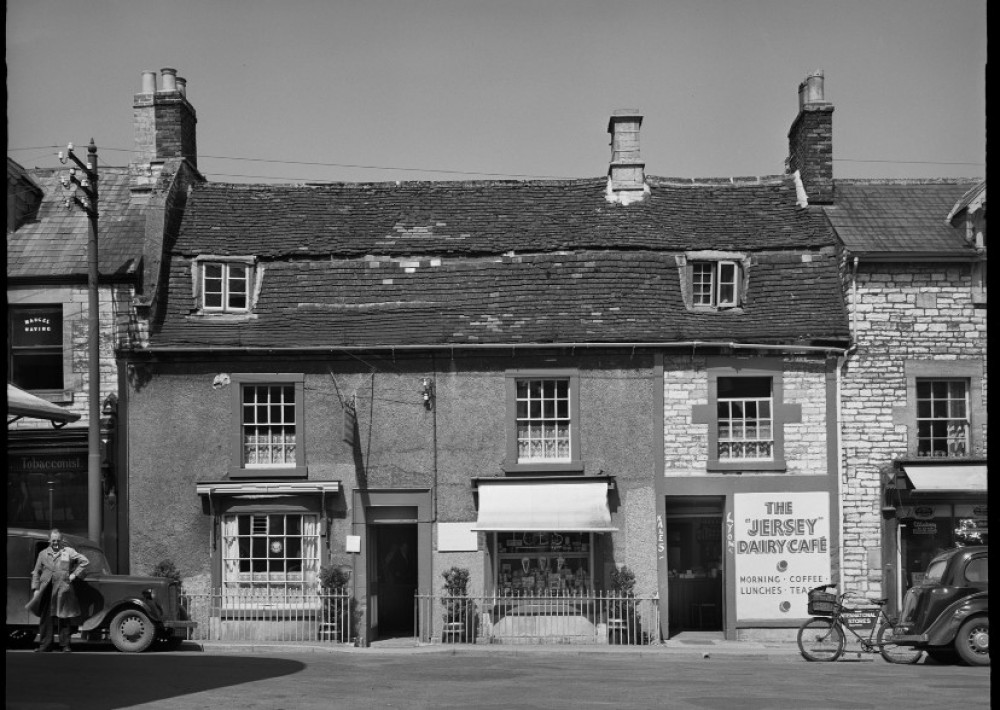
(270, 554)
(933, 529)
(544, 563)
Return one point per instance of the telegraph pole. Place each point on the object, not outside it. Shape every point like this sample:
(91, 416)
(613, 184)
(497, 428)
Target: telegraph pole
(88, 186)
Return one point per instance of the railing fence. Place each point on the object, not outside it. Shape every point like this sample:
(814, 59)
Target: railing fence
(228, 616)
(601, 618)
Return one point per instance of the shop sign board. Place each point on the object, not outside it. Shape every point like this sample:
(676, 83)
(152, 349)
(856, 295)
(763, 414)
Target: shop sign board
(861, 619)
(782, 550)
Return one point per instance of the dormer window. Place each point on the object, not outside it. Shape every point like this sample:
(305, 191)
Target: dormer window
(225, 285)
(715, 284)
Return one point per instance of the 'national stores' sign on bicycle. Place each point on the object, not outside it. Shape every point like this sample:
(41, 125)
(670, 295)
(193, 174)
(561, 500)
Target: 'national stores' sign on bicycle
(782, 549)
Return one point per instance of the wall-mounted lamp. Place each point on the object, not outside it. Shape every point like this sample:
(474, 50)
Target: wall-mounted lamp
(427, 392)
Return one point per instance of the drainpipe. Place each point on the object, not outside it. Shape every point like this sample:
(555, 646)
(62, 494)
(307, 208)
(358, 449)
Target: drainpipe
(841, 453)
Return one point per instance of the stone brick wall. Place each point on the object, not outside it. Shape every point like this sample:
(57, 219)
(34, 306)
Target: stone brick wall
(686, 443)
(114, 307)
(903, 312)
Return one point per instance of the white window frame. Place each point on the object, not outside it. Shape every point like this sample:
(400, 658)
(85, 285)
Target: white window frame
(227, 279)
(723, 275)
(738, 430)
(548, 419)
(277, 429)
(956, 438)
(244, 585)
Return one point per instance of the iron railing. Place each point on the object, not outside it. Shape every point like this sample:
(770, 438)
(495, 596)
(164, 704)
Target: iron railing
(597, 618)
(233, 616)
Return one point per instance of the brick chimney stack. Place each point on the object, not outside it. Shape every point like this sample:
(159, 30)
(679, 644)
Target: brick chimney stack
(164, 124)
(810, 141)
(626, 173)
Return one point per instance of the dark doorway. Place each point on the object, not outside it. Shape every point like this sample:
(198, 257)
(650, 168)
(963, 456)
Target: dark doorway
(694, 564)
(395, 571)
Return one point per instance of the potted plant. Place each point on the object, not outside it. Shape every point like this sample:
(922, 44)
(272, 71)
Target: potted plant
(335, 623)
(623, 615)
(459, 611)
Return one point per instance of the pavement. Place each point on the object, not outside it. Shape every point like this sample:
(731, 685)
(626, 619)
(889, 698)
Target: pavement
(689, 645)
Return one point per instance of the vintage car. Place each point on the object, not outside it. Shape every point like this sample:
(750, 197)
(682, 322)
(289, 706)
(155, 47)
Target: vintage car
(947, 613)
(135, 612)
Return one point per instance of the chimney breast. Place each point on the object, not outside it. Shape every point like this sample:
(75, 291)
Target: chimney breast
(164, 125)
(810, 140)
(626, 173)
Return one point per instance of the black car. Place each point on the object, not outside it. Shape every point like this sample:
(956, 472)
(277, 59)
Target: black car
(948, 612)
(134, 612)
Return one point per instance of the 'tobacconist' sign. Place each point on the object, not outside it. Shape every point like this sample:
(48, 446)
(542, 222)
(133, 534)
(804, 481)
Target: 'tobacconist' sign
(782, 549)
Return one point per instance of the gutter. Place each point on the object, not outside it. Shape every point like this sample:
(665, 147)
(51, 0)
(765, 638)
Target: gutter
(171, 349)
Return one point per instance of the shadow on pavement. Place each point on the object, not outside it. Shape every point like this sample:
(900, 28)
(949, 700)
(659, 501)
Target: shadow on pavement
(99, 679)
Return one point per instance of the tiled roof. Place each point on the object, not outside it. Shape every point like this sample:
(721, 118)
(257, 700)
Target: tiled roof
(366, 265)
(899, 216)
(585, 296)
(492, 218)
(55, 245)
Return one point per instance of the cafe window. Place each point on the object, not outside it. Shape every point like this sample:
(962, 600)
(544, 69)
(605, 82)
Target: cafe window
(746, 415)
(745, 420)
(544, 563)
(35, 347)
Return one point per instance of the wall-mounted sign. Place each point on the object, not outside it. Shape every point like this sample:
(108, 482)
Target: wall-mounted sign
(782, 550)
(353, 543)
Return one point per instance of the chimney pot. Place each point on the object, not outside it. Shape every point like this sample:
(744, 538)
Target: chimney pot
(148, 82)
(182, 86)
(811, 89)
(169, 79)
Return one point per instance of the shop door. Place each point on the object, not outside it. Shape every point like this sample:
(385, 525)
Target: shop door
(393, 579)
(694, 567)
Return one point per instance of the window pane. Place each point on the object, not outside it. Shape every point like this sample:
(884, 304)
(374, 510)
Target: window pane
(542, 413)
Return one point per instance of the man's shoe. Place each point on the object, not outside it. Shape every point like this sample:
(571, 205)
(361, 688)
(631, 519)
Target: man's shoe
(67, 649)
(46, 649)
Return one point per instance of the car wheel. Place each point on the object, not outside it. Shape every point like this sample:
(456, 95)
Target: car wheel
(132, 631)
(973, 641)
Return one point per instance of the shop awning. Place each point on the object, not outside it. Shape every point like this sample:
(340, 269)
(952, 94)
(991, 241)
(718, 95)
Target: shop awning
(267, 488)
(947, 478)
(562, 506)
(25, 404)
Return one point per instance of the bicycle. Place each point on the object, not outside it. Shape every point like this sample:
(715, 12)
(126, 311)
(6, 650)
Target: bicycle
(822, 637)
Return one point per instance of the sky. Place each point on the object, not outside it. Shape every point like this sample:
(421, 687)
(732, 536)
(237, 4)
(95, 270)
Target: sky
(376, 90)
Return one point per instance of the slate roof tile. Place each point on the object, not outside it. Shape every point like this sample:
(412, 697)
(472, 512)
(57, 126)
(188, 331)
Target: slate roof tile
(451, 263)
(56, 243)
(899, 216)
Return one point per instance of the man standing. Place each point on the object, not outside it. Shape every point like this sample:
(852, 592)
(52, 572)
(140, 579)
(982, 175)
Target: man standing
(53, 597)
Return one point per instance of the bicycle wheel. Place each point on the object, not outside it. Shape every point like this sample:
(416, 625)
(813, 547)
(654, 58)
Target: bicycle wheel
(893, 653)
(821, 640)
